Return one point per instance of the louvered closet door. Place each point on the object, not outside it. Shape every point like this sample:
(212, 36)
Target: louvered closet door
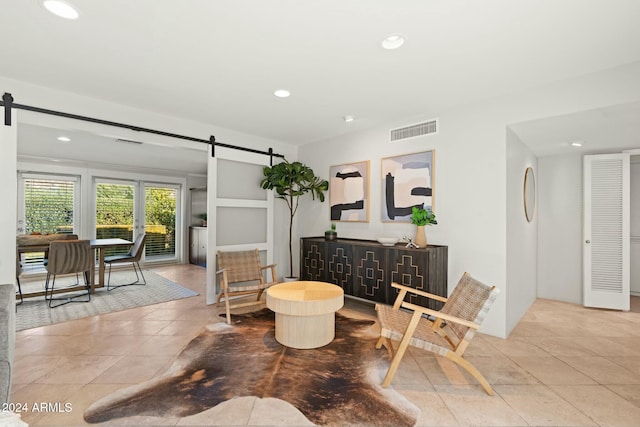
(606, 231)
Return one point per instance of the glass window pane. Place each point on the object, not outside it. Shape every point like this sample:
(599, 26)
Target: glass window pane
(48, 209)
(160, 222)
(114, 213)
(48, 206)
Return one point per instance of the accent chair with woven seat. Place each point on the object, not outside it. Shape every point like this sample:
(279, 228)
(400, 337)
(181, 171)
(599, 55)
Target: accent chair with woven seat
(241, 273)
(68, 257)
(133, 256)
(447, 335)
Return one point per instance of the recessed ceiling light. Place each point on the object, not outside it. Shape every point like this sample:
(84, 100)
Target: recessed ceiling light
(392, 41)
(348, 118)
(577, 144)
(61, 8)
(282, 93)
(64, 138)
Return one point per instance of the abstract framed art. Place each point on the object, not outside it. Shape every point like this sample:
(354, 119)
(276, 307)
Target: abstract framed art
(349, 192)
(407, 181)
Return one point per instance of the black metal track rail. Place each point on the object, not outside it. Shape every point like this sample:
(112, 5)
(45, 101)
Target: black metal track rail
(8, 104)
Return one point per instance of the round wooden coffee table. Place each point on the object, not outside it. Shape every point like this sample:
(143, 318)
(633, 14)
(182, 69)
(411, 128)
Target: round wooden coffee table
(305, 312)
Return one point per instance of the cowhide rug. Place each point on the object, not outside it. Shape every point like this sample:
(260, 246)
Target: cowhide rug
(336, 385)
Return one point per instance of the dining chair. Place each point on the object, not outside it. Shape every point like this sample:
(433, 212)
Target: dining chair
(68, 257)
(241, 273)
(133, 256)
(445, 333)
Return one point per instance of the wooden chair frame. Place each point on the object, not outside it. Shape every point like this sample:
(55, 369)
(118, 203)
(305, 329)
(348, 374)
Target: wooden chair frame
(456, 347)
(258, 288)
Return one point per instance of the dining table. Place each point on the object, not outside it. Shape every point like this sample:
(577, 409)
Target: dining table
(99, 245)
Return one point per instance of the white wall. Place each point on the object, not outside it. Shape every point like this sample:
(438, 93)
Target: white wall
(8, 217)
(469, 201)
(471, 176)
(8, 144)
(522, 235)
(560, 228)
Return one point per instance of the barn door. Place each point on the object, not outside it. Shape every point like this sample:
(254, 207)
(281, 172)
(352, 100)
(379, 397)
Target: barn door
(606, 231)
(240, 213)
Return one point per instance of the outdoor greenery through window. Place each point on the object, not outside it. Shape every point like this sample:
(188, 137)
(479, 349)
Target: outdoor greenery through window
(114, 213)
(48, 206)
(160, 221)
(115, 217)
(51, 204)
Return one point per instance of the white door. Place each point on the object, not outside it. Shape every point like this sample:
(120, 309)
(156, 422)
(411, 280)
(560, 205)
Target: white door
(606, 231)
(239, 212)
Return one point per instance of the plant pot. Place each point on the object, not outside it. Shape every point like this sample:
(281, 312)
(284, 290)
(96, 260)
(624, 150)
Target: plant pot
(421, 237)
(290, 279)
(330, 235)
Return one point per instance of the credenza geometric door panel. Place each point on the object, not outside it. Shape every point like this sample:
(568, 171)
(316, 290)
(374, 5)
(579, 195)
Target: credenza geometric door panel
(365, 268)
(370, 281)
(340, 269)
(425, 271)
(313, 261)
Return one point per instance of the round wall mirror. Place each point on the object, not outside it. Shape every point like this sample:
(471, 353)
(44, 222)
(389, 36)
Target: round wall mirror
(529, 193)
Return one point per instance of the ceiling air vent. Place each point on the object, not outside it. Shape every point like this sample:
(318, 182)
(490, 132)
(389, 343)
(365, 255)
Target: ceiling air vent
(426, 128)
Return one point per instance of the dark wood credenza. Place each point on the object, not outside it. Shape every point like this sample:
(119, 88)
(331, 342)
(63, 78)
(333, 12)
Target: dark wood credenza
(365, 268)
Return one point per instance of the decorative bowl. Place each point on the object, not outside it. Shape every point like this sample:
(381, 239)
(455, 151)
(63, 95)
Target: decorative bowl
(387, 241)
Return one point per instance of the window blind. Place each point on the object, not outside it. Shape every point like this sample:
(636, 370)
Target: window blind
(114, 213)
(160, 221)
(49, 206)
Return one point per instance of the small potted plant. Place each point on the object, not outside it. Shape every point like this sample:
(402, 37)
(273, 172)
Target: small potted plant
(331, 234)
(421, 217)
(203, 217)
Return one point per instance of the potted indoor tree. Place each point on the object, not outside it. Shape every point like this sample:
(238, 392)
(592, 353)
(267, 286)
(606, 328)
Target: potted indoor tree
(421, 217)
(290, 181)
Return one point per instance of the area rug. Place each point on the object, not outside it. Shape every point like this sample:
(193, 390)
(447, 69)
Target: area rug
(335, 385)
(35, 312)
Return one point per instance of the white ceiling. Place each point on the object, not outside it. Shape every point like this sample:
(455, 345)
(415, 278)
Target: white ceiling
(607, 129)
(89, 149)
(219, 62)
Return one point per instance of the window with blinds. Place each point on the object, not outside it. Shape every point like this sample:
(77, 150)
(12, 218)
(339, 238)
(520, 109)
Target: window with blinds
(48, 206)
(115, 205)
(160, 221)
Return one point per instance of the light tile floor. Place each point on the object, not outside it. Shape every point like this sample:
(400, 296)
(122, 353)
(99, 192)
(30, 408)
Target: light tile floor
(563, 365)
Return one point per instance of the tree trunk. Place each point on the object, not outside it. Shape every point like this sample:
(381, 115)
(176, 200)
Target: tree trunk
(291, 215)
